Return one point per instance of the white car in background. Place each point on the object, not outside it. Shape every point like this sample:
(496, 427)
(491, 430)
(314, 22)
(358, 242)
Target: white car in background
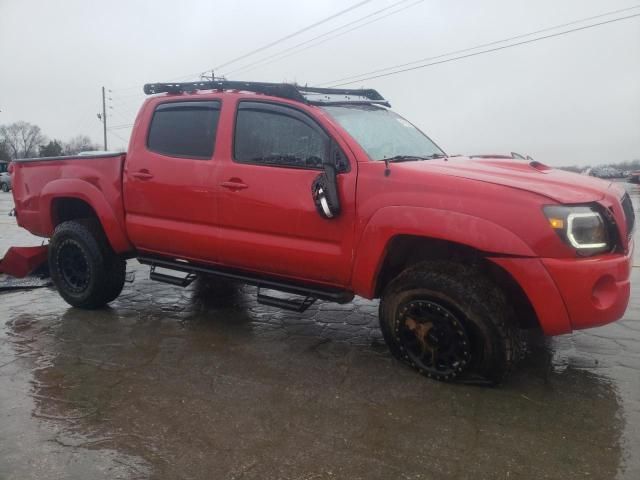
(5, 181)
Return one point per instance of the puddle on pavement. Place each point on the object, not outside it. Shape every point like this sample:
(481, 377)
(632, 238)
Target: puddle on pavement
(191, 383)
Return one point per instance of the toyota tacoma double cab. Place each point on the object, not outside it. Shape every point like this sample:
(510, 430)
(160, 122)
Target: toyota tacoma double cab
(326, 194)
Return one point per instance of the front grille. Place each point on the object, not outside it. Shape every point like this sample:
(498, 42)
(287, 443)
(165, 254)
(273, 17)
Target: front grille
(629, 214)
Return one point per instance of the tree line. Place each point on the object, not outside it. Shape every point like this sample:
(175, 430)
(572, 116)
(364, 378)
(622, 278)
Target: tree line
(630, 165)
(25, 140)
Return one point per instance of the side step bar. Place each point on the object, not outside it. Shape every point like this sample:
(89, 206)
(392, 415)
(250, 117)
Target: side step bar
(163, 277)
(286, 303)
(310, 292)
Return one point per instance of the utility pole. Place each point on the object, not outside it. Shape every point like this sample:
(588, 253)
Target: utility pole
(104, 118)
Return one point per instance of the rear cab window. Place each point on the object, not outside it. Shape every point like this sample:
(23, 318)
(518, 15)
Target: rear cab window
(184, 129)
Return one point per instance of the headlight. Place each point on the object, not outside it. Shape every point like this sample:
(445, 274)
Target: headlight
(582, 227)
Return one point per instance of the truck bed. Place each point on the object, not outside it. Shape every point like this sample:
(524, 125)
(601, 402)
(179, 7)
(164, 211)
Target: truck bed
(39, 182)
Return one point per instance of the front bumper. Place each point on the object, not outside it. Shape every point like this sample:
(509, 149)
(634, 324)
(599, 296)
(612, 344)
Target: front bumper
(571, 294)
(595, 290)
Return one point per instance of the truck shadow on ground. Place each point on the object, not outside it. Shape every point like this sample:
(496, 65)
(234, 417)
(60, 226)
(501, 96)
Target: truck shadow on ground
(189, 383)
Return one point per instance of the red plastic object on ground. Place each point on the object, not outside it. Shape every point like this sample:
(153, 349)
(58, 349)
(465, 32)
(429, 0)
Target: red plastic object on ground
(21, 261)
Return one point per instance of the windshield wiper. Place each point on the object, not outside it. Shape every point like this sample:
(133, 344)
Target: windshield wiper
(411, 158)
(405, 158)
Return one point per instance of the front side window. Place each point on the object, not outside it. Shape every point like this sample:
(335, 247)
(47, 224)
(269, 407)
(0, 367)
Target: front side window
(382, 133)
(184, 129)
(277, 135)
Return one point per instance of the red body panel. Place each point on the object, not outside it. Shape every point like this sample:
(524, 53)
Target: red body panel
(595, 290)
(541, 290)
(271, 226)
(96, 181)
(21, 261)
(185, 208)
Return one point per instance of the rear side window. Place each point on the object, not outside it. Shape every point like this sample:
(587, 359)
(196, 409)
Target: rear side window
(184, 129)
(280, 136)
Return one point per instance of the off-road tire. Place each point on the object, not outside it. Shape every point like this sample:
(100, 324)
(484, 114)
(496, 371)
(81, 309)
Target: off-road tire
(105, 270)
(479, 306)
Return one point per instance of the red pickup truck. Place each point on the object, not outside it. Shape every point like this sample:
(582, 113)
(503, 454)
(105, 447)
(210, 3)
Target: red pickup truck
(327, 194)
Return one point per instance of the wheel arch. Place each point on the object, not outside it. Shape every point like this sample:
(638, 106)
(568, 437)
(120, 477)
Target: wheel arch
(397, 237)
(71, 199)
(64, 209)
(407, 250)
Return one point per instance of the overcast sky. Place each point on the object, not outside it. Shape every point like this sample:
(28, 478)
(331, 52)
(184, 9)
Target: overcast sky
(573, 99)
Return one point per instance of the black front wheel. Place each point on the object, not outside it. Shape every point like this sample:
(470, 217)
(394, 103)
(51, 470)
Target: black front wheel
(83, 267)
(5, 187)
(450, 322)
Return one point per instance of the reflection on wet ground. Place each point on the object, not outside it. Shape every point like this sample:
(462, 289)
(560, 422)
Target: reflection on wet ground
(205, 383)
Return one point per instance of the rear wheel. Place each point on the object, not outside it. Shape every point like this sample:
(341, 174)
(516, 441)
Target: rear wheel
(449, 322)
(83, 267)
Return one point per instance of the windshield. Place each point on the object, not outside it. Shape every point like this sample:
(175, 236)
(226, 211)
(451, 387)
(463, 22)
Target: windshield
(383, 133)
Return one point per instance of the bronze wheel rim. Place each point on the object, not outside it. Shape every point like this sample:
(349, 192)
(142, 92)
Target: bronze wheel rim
(433, 338)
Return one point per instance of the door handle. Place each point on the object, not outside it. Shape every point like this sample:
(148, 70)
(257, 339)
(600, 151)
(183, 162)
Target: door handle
(142, 175)
(234, 185)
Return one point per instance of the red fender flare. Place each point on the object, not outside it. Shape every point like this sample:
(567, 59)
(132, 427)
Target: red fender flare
(390, 222)
(112, 222)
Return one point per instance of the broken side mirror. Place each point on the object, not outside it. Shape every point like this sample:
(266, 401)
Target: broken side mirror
(325, 187)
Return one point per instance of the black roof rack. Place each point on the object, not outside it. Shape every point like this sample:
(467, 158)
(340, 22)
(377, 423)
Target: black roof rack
(309, 95)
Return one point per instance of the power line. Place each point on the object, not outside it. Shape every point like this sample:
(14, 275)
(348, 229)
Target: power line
(120, 115)
(264, 47)
(126, 106)
(464, 50)
(279, 54)
(116, 98)
(119, 96)
(396, 72)
(306, 42)
(294, 34)
(126, 101)
(86, 120)
(118, 136)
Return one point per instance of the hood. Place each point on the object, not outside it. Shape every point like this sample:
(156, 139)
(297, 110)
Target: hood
(531, 176)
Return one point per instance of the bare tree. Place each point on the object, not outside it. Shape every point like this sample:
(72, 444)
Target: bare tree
(79, 143)
(4, 152)
(21, 139)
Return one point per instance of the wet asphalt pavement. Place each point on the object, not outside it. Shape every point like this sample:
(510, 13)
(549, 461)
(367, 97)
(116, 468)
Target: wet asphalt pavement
(204, 383)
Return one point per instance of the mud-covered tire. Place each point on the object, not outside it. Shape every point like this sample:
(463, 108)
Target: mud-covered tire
(482, 321)
(83, 267)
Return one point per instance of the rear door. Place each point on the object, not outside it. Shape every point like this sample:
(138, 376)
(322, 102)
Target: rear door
(267, 218)
(169, 181)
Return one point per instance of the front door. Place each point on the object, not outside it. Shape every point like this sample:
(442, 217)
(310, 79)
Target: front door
(267, 218)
